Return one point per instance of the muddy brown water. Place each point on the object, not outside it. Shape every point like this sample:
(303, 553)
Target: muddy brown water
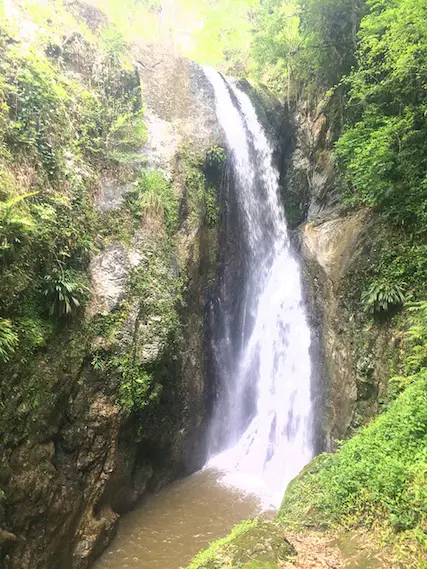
(169, 528)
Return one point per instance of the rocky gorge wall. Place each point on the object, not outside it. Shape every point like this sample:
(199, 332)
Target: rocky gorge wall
(352, 352)
(115, 404)
(122, 394)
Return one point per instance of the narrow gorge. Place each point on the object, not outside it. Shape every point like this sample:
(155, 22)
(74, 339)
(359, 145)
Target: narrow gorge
(212, 313)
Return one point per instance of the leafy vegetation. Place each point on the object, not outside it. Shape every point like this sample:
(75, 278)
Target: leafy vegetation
(64, 291)
(383, 152)
(8, 340)
(381, 297)
(378, 477)
(70, 111)
(202, 175)
(15, 227)
(57, 131)
(155, 194)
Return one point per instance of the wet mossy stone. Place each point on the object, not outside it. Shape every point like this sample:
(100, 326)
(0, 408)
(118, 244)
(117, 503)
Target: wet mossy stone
(254, 544)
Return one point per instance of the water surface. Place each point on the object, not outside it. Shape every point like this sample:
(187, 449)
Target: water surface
(169, 528)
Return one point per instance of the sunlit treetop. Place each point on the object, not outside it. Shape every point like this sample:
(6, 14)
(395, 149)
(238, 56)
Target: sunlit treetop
(212, 32)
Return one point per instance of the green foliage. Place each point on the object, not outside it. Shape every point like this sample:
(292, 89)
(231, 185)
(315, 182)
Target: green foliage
(381, 297)
(155, 194)
(215, 157)
(114, 44)
(305, 45)
(212, 33)
(148, 360)
(15, 227)
(378, 477)
(415, 348)
(57, 131)
(64, 291)
(211, 209)
(137, 387)
(328, 31)
(158, 290)
(36, 103)
(384, 149)
(125, 137)
(202, 176)
(416, 360)
(112, 128)
(275, 38)
(8, 340)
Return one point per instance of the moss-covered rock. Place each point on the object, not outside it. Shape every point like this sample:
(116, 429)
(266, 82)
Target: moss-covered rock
(255, 544)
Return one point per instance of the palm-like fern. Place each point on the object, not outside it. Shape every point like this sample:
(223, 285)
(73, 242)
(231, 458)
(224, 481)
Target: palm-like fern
(380, 297)
(64, 291)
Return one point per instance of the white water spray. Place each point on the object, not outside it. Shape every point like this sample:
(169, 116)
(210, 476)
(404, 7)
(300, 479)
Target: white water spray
(273, 360)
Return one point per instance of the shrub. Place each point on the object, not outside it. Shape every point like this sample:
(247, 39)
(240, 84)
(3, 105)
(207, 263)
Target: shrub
(137, 387)
(38, 104)
(215, 156)
(415, 348)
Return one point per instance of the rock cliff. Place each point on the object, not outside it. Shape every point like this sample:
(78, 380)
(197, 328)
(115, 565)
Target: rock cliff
(125, 402)
(351, 352)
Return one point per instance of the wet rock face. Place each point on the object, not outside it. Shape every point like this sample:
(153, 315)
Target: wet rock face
(111, 195)
(350, 354)
(175, 92)
(110, 273)
(309, 189)
(53, 486)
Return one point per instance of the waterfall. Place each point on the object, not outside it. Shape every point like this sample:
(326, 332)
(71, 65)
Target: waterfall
(261, 433)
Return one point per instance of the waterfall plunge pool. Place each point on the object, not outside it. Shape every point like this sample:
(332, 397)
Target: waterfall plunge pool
(169, 528)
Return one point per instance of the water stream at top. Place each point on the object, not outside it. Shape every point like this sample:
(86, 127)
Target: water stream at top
(262, 422)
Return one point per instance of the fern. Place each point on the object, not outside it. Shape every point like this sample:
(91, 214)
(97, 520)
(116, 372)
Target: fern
(381, 297)
(64, 292)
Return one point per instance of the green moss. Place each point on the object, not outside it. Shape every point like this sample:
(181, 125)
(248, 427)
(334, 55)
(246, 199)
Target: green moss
(139, 344)
(253, 544)
(201, 173)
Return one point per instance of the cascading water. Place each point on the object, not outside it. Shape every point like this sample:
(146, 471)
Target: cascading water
(261, 429)
(262, 421)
